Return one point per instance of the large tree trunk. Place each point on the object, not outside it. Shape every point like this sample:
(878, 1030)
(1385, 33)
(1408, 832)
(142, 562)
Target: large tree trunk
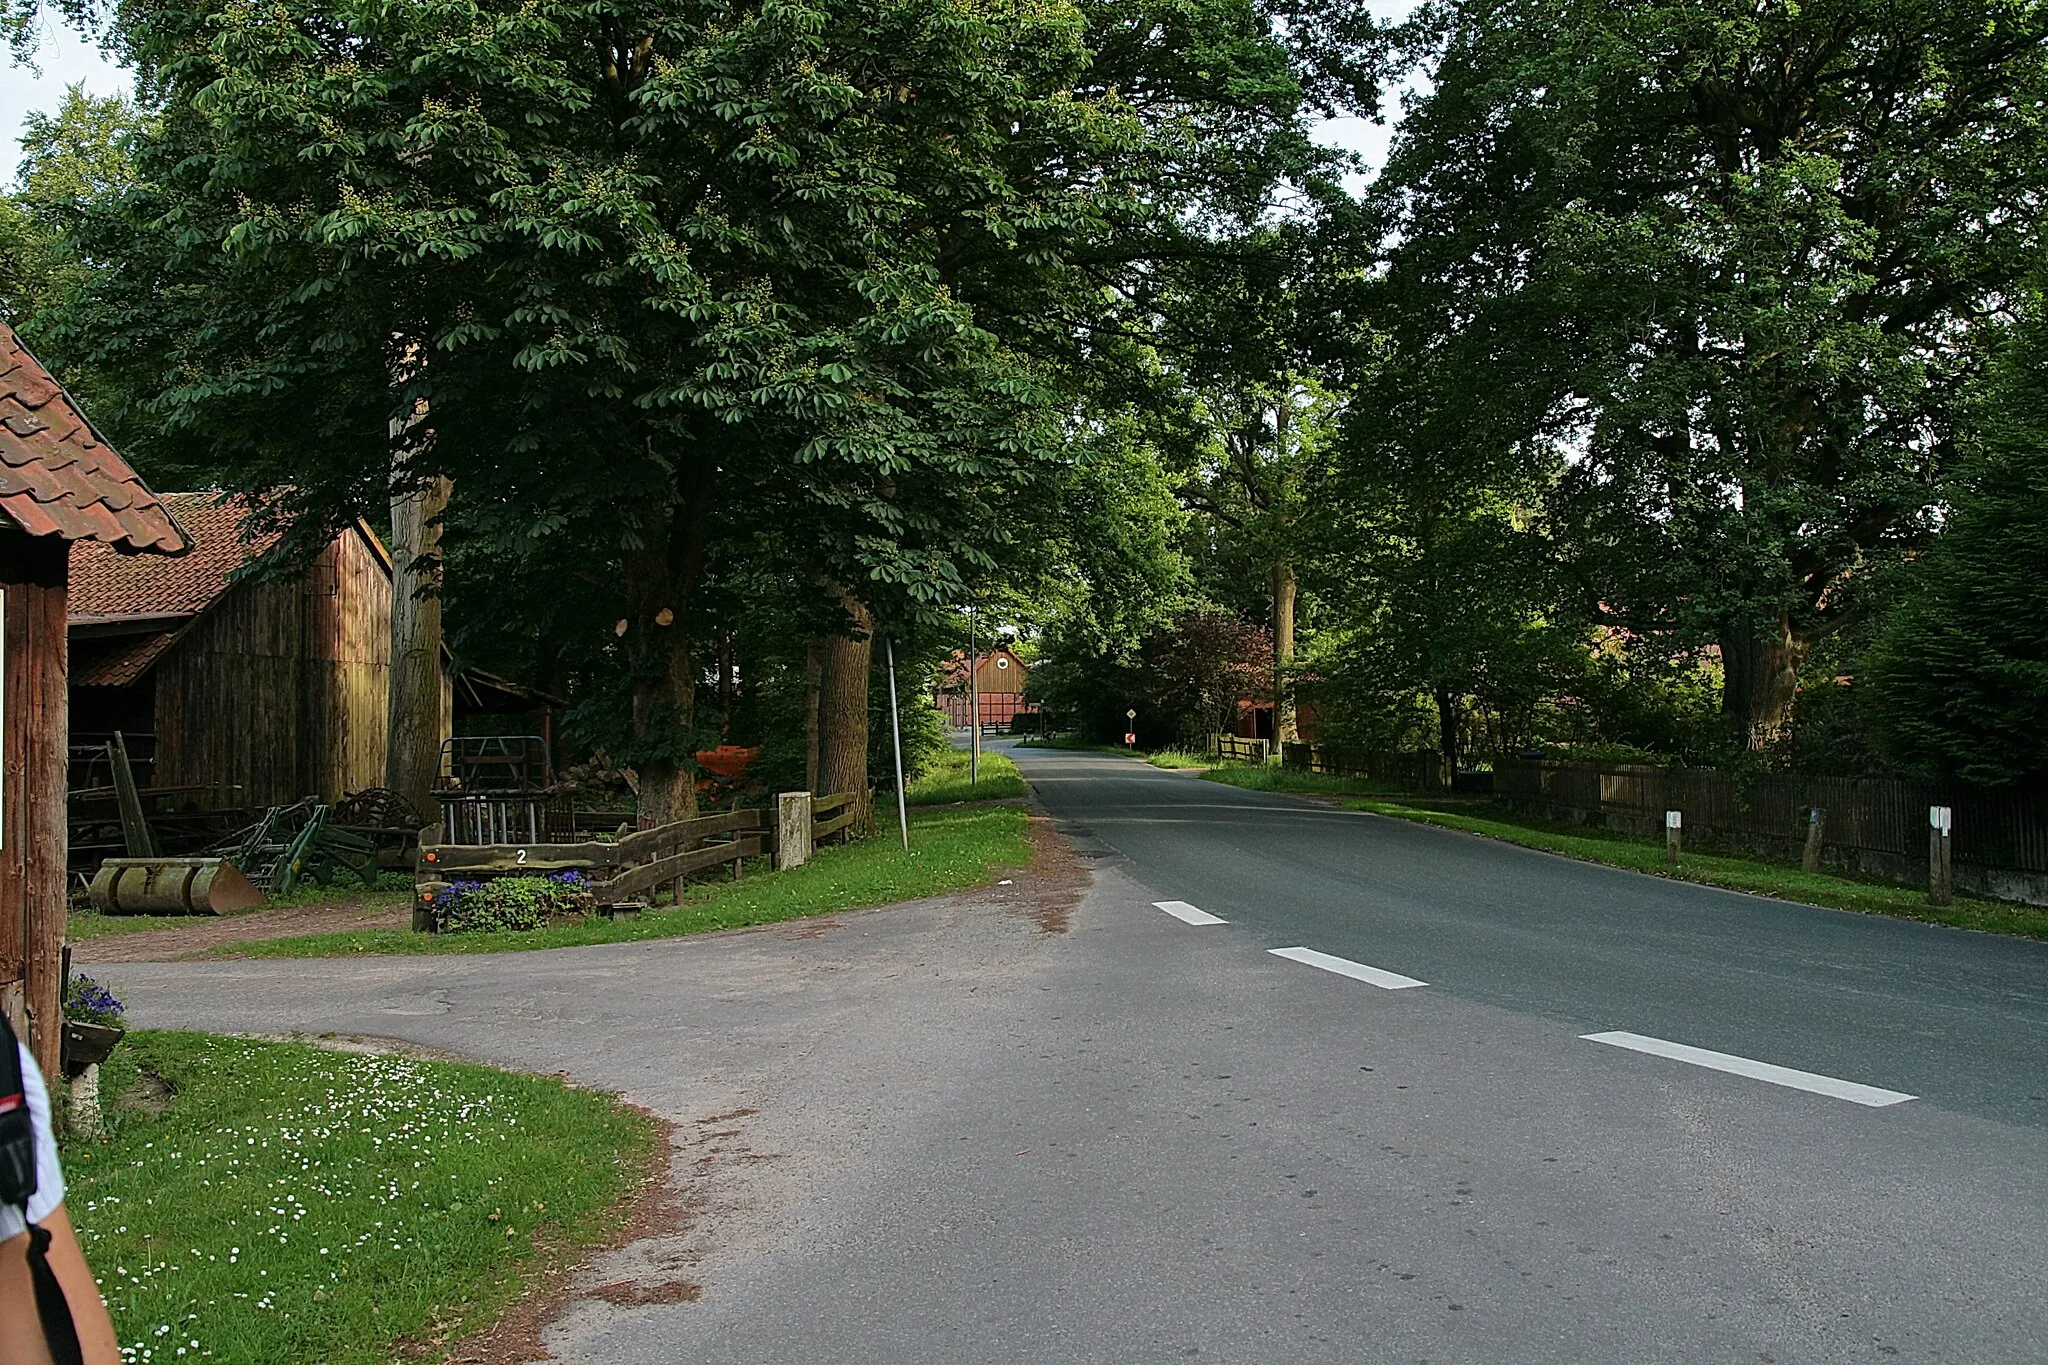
(1285, 728)
(412, 737)
(661, 576)
(843, 705)
(1447, 703)
(814, 673)
(1759, 677)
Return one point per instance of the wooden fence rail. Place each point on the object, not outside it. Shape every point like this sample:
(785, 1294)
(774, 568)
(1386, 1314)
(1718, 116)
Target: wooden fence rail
(633, 867)
(1238, 749)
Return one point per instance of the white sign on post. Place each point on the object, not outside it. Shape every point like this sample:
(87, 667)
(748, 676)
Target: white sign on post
(1673, 819)
(1939, 817)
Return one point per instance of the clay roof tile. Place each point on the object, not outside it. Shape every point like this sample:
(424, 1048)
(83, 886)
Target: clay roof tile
(58, 478)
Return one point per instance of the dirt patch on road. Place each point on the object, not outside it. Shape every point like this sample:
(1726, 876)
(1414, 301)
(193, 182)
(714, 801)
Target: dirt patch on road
(204, 932)
(657, 1231)
(1048, 888)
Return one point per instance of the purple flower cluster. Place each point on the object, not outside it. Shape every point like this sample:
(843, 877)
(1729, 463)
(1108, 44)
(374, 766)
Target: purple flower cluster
(88, 1002)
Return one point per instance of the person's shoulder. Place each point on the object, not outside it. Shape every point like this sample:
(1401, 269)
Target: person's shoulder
(49, 1175)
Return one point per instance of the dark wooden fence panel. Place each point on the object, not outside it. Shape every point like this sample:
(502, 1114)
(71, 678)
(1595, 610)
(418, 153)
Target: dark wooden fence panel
(1415, 771)
(1876, 825)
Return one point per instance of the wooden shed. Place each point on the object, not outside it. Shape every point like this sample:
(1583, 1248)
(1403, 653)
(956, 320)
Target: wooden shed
(60, 485)
(247, 692)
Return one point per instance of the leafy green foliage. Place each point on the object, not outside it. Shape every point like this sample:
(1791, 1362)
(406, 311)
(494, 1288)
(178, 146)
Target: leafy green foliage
(1735, 266)
(1184, 680)
(1957, 683)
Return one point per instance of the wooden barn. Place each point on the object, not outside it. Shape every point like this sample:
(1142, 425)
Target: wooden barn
(61, 487)
(237, 693)
(998, 680)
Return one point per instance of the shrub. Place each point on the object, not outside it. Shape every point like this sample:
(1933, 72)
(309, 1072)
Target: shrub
(518, 903)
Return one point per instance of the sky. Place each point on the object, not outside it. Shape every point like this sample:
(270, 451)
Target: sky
(66, 58)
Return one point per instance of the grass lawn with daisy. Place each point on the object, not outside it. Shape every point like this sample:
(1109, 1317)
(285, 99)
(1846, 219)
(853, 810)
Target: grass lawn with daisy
(278, 1202)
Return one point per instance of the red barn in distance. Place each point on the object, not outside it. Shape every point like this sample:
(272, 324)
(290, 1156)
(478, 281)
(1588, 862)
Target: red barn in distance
(998, 676)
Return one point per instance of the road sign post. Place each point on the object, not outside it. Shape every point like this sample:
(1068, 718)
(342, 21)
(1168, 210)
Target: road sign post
(1674, 835)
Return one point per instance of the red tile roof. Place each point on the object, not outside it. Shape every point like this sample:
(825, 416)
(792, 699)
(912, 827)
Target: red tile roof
(108, 584)
(57, 477)
(116, 662)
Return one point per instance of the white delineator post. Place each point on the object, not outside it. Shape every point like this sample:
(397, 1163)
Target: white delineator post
(1674, 835)
(792, 829)
(1940, 868)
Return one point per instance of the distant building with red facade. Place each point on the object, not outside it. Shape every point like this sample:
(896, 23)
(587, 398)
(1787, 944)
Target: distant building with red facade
(999, 679)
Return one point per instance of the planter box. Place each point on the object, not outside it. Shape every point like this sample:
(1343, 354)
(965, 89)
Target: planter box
(87, 1045)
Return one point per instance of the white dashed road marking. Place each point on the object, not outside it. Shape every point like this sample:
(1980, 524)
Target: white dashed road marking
(1185, 913)
(1762, 1071)
(1344, 966)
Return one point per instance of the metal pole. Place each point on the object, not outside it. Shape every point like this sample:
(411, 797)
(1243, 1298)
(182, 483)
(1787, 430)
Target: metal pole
(973, 705)
(896, 732)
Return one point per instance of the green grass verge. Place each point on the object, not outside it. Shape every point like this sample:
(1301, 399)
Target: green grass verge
(949, 851)
(1760, 876)
(946, 780)
(1269, 777)
(293, 1203)
(393, 888)
(1178, 758)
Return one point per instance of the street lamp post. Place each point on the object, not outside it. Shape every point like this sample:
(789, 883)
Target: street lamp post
(896, 733)
(973, 706)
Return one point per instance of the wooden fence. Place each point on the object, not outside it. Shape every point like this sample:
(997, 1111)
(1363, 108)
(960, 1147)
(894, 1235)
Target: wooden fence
(628, 870)
(1876, 826)
(1238, 749)
(1410, 771)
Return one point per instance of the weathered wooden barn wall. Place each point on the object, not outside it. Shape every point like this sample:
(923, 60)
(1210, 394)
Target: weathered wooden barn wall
(33, 753)
(349, 662)
(279, 688)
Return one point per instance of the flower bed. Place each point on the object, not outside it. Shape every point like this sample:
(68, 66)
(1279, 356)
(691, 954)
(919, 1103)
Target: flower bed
(517, 903)
(290, 1203)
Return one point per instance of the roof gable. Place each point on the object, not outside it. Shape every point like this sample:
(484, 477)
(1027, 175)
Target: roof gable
(58, 478)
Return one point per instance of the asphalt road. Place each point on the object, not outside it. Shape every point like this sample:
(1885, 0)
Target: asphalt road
(1146, 1140)
(1958, 1018)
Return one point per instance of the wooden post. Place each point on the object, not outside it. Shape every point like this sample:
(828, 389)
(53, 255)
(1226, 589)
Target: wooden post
(1816, 833)
(34, 754)
(1674, 836)
(1940, 869)
(135, 833)
(792, 829)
